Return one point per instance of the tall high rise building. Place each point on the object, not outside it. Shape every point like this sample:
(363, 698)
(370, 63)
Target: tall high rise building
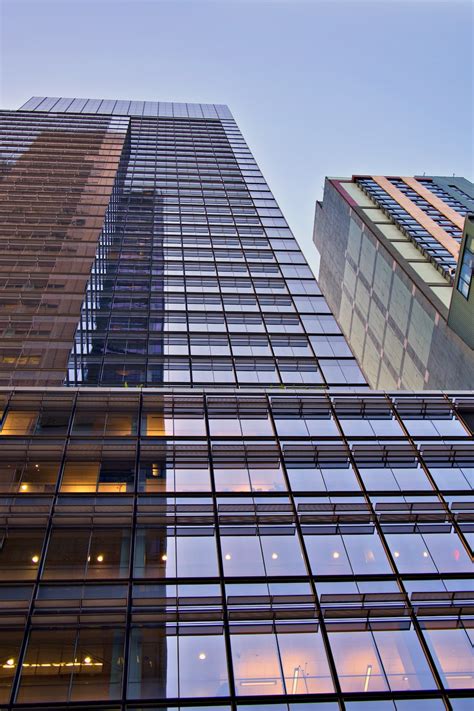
(396, 272)
(203, 504)
(159, 215)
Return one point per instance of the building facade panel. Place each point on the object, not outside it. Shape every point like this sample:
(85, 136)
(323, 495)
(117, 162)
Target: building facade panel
(393, 302)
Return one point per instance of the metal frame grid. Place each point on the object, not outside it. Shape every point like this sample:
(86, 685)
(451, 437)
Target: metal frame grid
(229, 602)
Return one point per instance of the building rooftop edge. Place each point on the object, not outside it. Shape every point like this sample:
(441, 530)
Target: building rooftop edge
(126, 107)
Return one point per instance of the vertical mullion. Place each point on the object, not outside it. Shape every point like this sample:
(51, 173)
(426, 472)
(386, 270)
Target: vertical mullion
(128, 613)
(225, 620)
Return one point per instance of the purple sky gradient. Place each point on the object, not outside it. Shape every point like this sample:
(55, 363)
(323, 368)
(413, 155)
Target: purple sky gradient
(317, 87)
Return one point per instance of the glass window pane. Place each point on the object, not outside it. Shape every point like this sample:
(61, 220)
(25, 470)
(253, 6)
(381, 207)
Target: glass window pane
(410, 553)
(305, 665)
(157, 476)
(87, 553)
(256, 663)
(452, 477)
(202, 666)
(232, 479)
(306, 479)
(366, 554)
(242, 555)
(415, 704)
(155, 553)
(403, 660)
(113, 477)
(267, 479)
(327, 555)
(448, 552)
(197, 556)
(19, 423)
(72, 665)
(283, 555)
(20, 553)
(461, 704)
(451, 650)
(10, 641)
(357, 662)
(374, 705)
(28, 477)
(153, 664)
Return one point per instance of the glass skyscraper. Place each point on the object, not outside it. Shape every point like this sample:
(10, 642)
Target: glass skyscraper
(192, 274)
(203, 503)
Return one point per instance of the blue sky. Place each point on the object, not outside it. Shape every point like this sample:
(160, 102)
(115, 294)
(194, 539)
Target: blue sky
(318, 87)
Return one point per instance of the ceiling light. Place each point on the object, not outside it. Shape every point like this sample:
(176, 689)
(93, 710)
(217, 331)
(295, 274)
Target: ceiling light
(227, 556)
(202, 656)
(10, 662)
(87, 660)
(164, 557)
(396, 554)
(336, 555)
(35, 559)
(274, 556)
(24, 487)
(100, 558)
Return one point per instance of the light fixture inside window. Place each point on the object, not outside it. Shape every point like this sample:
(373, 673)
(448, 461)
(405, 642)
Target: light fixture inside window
(296, 675)
(202, 656)
(257, 682)
(336, 555)
(35, 559)
(100, 558)
(396, 554)
(164, 557)
(367, 677)
(24, 487)
(425, 554)
(10, 662)
(274, 556)
(227, 556)
(75, 663)
(87, 660)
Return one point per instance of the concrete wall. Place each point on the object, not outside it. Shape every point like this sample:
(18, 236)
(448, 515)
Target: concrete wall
(399, 338)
